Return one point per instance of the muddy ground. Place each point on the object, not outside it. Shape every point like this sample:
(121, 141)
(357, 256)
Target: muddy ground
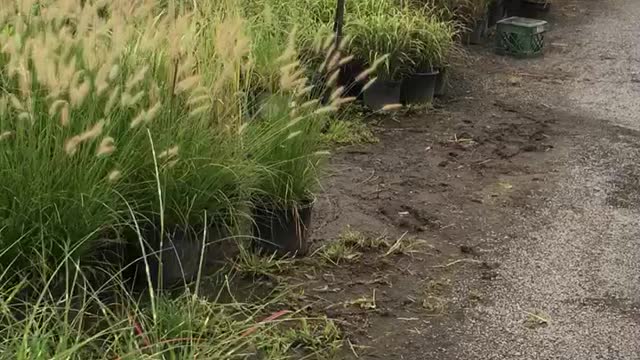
(519, 191)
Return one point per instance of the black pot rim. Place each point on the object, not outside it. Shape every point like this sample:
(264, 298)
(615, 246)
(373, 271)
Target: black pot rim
(388, 81)
(269, 204)
(435, 71)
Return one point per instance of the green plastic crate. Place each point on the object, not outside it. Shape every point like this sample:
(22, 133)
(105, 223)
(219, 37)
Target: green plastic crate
(520, 37)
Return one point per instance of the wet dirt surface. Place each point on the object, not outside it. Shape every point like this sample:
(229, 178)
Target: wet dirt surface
(523, 187)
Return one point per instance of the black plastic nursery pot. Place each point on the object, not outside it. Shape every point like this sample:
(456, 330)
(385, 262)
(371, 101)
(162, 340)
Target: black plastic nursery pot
(497, 12)
(419, 88)
(382, 93)
(513, 7)
(535, 9)
(479, 32)
(442, 80)
(283, 230)
(183, 254)
(349, 72)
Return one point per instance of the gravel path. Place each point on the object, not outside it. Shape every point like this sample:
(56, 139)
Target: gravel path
(576, 263)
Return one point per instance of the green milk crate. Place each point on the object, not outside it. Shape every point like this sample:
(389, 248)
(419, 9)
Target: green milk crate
(520, 37)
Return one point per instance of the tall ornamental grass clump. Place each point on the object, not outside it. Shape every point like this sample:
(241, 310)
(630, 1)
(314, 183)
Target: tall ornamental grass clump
(106, 117)
(120, 118)
(464, 13)
(406, 39)
(285, 138)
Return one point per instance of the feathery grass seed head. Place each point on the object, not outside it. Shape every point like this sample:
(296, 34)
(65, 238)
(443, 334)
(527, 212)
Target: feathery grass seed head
(294, 134)
(106, 147)
(369, 84)
(169, 153)
(113, 98)
(114, 176)
(5, 135)
(391, 107)
(325, 109)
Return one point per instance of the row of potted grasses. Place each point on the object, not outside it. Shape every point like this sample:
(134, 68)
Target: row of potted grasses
(118, 118)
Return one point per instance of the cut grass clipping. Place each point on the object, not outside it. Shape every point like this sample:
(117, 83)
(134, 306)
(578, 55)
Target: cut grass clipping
(342, 132)
(351, 245)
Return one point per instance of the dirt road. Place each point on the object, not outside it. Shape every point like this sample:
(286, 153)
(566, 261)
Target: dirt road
(525, 185)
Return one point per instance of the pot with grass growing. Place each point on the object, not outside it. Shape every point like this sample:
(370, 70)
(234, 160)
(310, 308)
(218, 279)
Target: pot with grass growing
(430, 44)
(478, 31)
(179, 254)
(420, 87)
(381, 41)
(381, 93)
(283, 229)
(496, 12)
(442, 81)
(475, 15)
(513, 7)
(535, 9)
(286, 150)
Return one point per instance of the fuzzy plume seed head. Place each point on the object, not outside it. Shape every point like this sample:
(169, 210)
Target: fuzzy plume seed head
(230, 41)
(153, 111)
(328, 43)
(326, 109)
(334, 61)
(169, 153)
(94, 131)
(346, 60)
(114, 72)
(310, 103)
(71, 145)
(171, 164)
(139, 119)
(112, 100)
(187, 84)
(154, 93)
(15, 102)
(114, 176)
(130, 101)
(289, 54)
(25, 116)
(291, 78)
(343, 100)
(199, 110)
(198, 100)
(369, 83)
(5, 135)
(336, 93)
(344, 42)
(56, 106)
(107, 146)
(136, 78)
(293, 122)
(79, 94)
(333, 78)
(302, 91)
(294, 134)
(186, 67)
(391, 107)
(365, 74)
(64, 114)
(101, 81)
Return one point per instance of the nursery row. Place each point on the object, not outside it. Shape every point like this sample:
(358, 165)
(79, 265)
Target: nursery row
(127, 128)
